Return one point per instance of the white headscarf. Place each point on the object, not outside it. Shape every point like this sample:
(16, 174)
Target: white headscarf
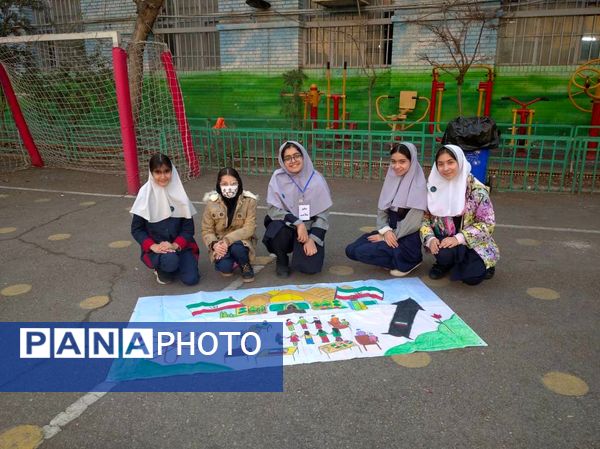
(407, 191)
(447, 198)
(154, 202)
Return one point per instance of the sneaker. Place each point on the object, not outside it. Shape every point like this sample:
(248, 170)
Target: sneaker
(490, 272)
(226, 275)
(438, 271)
(162, 277)
(282, 271)
(399, 274)
(247, 273)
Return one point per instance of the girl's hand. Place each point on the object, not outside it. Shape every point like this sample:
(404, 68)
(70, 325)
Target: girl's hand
(310, 248)
(449, 242)
(302, 233)
(390, 239)
(434, 245)
(375, 238)
(220, 249)
(161, 248)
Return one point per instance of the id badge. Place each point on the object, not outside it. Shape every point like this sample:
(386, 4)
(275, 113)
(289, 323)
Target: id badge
(304, 212)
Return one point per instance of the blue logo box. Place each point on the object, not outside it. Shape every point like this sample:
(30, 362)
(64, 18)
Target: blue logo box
(136, 357)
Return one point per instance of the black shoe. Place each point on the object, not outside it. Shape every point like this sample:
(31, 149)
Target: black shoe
(162, 277)
(282, 271)
(490, 272)
(438, 271)
(247, 273)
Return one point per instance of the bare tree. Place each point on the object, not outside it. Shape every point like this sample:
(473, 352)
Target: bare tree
(459, 27)
(147, 12)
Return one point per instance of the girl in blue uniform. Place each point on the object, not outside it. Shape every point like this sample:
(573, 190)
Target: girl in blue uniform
(163, 226)
(395, 244)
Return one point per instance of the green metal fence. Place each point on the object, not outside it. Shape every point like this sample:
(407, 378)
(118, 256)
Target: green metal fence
(553, 158)
(550, 159)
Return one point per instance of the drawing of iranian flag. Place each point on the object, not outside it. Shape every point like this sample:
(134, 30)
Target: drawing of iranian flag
(209, 307)
(352, 294)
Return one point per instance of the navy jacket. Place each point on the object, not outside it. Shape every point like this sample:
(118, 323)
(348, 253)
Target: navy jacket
(173, 230)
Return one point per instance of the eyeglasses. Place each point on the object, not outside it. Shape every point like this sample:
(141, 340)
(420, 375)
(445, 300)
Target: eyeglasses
(293, 157)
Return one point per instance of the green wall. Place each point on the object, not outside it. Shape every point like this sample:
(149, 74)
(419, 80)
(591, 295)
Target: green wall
(256, 96)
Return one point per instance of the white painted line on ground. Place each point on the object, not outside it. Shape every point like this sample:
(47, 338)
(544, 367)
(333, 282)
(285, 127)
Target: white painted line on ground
(543, 228)
(69, 192)
(341, 214)
(76, 409)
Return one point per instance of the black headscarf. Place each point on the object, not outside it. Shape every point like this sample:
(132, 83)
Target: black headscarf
(231, 203)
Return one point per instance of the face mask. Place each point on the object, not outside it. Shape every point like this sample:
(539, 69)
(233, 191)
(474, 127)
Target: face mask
(229, 191)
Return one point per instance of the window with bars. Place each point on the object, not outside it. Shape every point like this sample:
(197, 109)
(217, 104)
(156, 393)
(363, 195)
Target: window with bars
(188, 27)
(550, 40)
(359, 38)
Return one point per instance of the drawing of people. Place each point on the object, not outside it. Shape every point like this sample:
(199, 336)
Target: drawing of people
(302, 322)
(337, 334)
(335, 321)
(345, 323)
(290, 325)
(360, 332)
(323, 335)
(317, 323)
(308, 338)
(294, 339)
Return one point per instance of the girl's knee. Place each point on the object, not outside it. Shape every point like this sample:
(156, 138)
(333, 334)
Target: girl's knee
(191, 278)
(169, 262)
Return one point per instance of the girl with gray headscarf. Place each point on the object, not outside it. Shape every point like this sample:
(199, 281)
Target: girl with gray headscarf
(395, 244)
(297, 218)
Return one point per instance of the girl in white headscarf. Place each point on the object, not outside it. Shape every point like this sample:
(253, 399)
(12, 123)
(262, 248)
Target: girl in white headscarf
(297, 218)
(395, 244)
(163, 226)
(458, 226)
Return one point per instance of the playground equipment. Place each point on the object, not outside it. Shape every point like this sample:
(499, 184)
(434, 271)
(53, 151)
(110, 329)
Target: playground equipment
(586, 81)
(485, 89)
(336, 100)
(406, 105)
(526, 120)
(312, 98)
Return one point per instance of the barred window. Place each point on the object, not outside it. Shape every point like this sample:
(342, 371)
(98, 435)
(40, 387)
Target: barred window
(548, 40)
(361, 40)
(188, 27)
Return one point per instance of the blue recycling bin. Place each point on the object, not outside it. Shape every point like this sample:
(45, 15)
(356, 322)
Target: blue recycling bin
(479, 162)
(477, 136)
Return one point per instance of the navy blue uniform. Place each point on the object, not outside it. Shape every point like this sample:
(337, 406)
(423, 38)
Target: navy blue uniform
(184, 262)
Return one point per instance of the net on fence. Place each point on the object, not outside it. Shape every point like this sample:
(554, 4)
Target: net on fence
(66, 91)
(156, 125)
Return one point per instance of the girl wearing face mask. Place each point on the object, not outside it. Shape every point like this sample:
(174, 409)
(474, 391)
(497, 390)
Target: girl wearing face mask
(460, 221)
(228, 225)
(163, 226)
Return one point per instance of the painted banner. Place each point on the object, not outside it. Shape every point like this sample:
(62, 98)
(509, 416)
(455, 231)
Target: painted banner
(327, 322)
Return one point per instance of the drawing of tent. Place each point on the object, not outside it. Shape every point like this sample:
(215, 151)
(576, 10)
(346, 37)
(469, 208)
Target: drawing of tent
(289, 307)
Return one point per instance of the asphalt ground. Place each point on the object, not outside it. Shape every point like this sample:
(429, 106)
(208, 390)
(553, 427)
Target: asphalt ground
(485, 397)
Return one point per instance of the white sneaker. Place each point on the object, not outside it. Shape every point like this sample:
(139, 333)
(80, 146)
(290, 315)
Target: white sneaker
(399, 274)
(162, 280)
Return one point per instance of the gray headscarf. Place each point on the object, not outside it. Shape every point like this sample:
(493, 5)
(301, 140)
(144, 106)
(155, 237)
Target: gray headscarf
(408, 191)
(287, 189)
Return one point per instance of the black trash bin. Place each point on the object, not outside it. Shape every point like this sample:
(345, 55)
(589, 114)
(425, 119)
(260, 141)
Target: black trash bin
(476, 136)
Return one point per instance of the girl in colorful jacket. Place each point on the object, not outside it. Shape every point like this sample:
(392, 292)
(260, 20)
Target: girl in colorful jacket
(458, 227)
